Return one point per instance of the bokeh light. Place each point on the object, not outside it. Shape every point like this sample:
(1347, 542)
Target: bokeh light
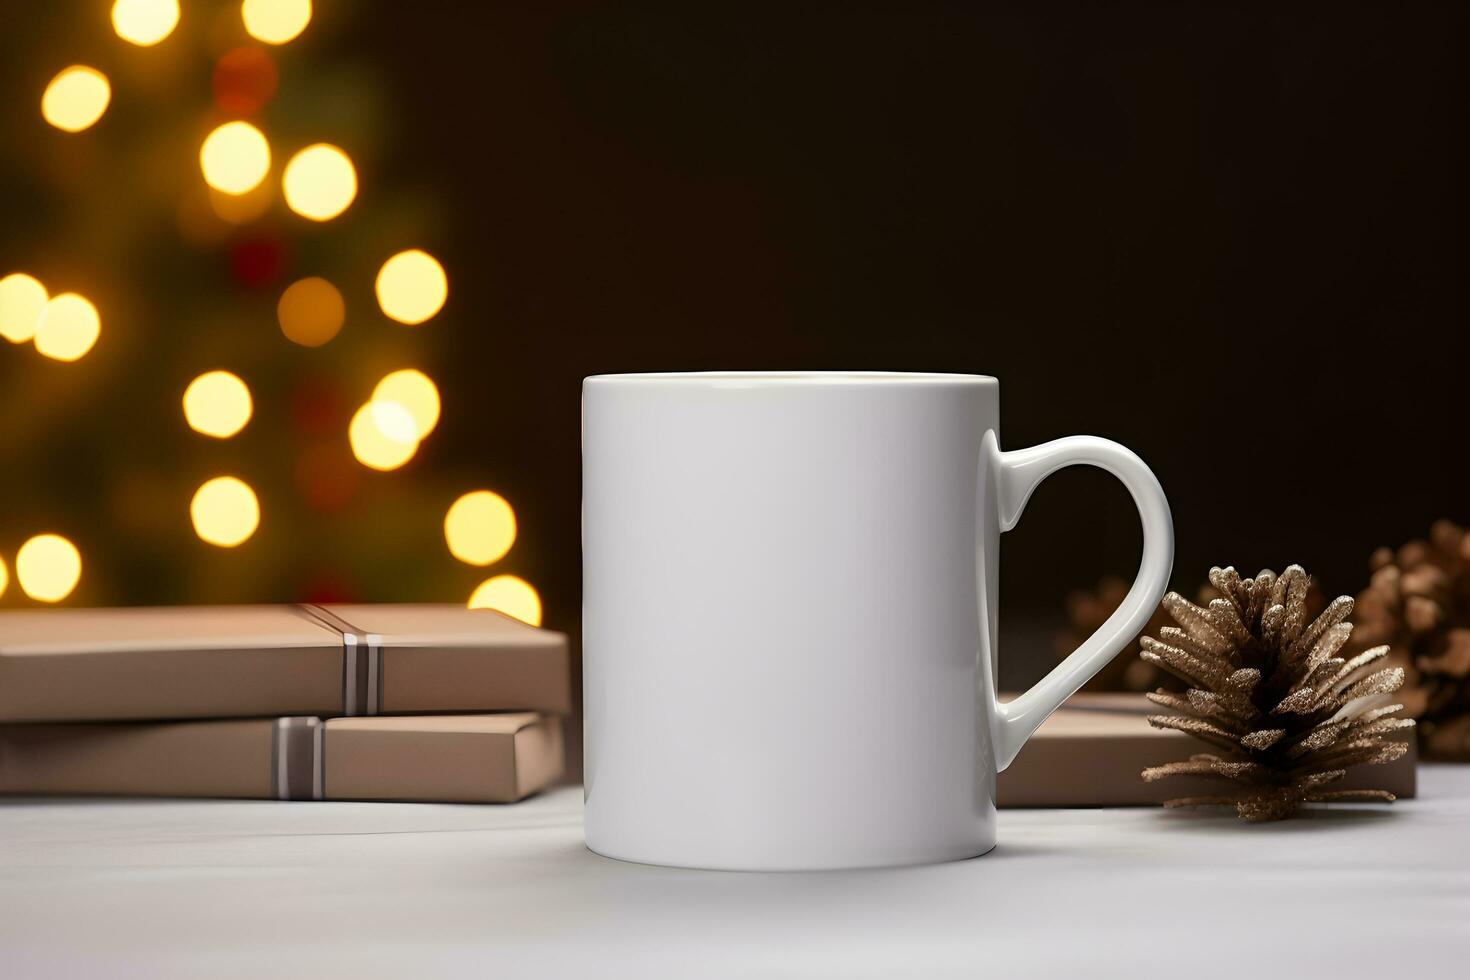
(382, 435)
(4, 576)
(225, 512)
(76, 98)
(244, 80)
(394, 421)
(235, 157)
(22, 302)
(319, 182)
(217, 404)
(511, 595)
(68, 328)
(275, 21)
(415, 391)
(145, 22)
(311, 311)
(257, 261)
(480, 527)
(411, 286)
(48, 567)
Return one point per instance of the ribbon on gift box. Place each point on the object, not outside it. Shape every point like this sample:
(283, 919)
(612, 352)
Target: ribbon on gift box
(298, 759)
(488, 758)
(362, 662)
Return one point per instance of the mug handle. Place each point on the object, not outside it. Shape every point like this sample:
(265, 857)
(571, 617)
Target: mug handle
(1016, 475)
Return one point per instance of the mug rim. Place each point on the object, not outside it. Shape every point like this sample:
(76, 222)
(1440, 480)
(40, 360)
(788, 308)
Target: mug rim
(791, 378)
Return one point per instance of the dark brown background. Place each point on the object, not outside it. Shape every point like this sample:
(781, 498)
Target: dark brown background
(1231, 236)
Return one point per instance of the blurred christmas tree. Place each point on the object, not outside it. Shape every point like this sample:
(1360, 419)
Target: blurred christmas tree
(224, 315)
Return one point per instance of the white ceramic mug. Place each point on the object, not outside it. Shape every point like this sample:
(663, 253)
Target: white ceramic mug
(789, 614)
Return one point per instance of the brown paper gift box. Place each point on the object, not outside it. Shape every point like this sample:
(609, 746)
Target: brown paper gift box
(244, 661)
(497, 758)
(1091, 751)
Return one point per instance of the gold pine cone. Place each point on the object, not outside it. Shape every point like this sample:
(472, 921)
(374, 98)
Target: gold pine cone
(1266, 690)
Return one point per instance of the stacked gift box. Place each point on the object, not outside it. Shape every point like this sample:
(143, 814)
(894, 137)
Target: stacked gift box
(397, 702)
(298, 702)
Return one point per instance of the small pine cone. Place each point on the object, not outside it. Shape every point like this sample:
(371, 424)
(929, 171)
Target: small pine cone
(1418, 604)
(1284, 715)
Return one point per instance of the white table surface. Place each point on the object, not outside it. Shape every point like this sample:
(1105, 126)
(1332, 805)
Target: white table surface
(142, 888)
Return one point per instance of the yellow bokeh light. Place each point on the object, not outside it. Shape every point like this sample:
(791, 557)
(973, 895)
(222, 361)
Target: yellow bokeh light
(48, 567)
(383, 435)
(394, 421)
(275, 21)
(480, 527)
(217, 403)
(235, 157)
(319, 182)
(311, 311)
(415, 391)
(225, 512)
(4, 576)
(69, 327)
(511, 595)
(22, 302)
(145, 22)
(76, 98)
(412, 286)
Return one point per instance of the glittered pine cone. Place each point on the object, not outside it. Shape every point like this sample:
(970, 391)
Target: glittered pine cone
(1284, 716)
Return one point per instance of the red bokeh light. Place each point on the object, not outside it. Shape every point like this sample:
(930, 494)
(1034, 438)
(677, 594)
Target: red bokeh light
(257, 262)
(244, 80)
(325, 588)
